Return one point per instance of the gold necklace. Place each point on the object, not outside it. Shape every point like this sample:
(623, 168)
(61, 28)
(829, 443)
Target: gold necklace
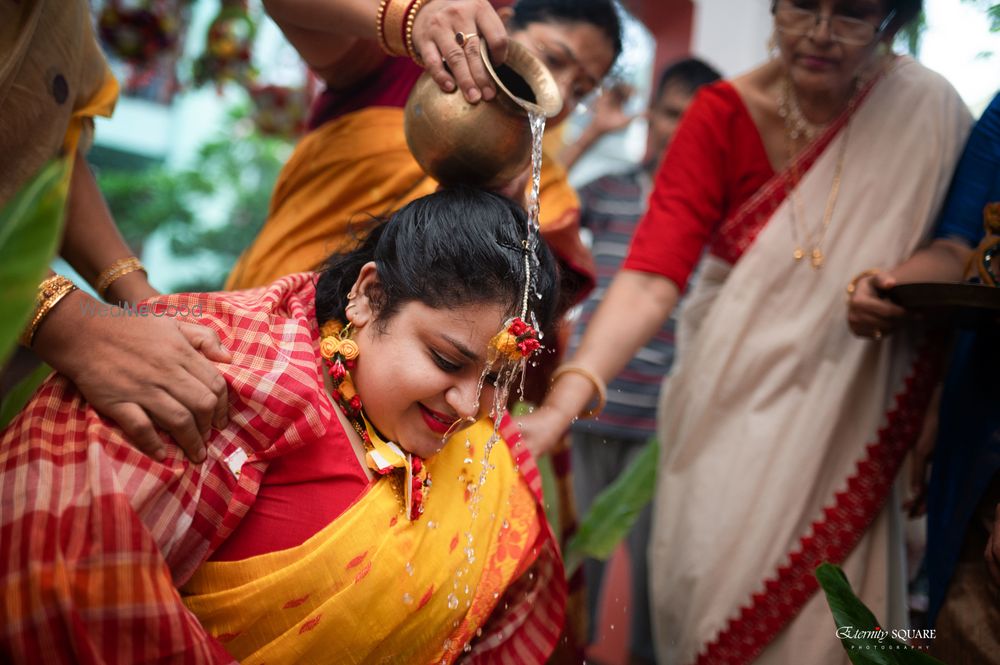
(796, 123)
(800, 233)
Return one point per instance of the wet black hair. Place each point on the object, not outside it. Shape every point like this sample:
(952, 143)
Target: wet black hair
(602, 14)
(906, 11)
(458, 246)
(689, 73)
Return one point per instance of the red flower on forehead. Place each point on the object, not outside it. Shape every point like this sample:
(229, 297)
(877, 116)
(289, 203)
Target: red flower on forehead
(518, 327)
(528, 346)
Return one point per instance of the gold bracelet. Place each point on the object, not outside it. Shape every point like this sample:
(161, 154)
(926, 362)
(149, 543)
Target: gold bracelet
(394, 27)
(380, 26)
(599, 386)
(50, 292)
(411, 16)
(116, 271)
(853, 286)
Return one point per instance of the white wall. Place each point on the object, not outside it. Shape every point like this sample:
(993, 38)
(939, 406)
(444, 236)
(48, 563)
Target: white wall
(731, 34)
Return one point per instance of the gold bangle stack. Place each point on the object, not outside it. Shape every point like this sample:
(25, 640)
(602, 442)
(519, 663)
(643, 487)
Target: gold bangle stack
(116, 271)
(599, 386)
(394, 26)
(50, 292)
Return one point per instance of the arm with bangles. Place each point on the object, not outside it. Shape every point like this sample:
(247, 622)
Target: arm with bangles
(634, 308)
(358, 49)
(136, 370)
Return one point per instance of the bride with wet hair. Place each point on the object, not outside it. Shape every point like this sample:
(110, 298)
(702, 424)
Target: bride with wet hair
(368, 501)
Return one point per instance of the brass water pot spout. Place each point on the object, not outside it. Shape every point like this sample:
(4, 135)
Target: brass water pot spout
(486, 144)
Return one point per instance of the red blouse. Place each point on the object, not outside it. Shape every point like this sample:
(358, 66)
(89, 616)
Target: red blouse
(389, 85)
(715, 163)
(301, 492)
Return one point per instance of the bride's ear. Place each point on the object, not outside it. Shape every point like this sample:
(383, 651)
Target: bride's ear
(360, 311)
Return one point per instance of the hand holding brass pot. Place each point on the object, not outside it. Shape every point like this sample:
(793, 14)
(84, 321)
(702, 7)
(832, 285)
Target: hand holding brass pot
(485, 144)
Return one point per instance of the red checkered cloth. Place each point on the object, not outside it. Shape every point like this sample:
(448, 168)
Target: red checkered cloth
(94, 535)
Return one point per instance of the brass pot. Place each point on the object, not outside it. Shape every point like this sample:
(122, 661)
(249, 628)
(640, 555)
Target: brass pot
(486, 144)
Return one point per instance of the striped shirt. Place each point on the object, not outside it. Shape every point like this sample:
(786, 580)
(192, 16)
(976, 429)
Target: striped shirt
(611, 207)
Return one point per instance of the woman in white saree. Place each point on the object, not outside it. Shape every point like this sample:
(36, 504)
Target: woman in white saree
(781, 432)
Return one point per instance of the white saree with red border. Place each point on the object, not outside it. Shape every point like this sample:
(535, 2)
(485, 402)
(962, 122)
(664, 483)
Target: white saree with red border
(782, 433)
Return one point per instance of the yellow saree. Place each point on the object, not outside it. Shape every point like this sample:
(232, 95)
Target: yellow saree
(372, 587)
(358, 166)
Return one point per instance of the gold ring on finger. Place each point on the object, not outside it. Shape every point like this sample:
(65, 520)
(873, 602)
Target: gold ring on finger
(461, 38)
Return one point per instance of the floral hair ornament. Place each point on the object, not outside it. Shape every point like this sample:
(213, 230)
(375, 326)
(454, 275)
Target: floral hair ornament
(518, 340)
(406, 471)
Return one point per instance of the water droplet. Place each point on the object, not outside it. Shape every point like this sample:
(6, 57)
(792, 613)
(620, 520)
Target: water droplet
(506, 524)
(467, 648)
(452, 601)
(479, 632)
(467, 460)
(431, 524)
(407, 599)
(409, 569)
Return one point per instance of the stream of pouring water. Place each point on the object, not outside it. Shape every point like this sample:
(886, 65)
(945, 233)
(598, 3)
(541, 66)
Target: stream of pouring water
(510, 373)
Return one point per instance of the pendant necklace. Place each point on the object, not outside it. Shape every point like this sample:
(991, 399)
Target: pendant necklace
(803, 238)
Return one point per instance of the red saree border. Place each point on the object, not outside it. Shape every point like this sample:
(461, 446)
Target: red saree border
(838, 530)
(740, 230)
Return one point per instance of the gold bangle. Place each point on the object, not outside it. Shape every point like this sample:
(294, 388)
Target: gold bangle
(411, 16)
(599, 386)
(380, 26)
(853, 286)
(116, 271)
(394, 27)
(50, 292)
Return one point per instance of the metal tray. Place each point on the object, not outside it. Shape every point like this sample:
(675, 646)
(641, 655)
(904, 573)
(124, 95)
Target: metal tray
(963, 305)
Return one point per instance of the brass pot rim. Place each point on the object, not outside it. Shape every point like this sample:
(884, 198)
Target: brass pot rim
(531, 69)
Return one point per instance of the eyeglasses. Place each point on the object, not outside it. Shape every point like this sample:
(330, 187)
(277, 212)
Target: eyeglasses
(798, 22)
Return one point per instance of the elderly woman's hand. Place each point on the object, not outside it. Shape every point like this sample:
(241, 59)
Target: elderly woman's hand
(869, 314)
(140, 370)
(446, 34)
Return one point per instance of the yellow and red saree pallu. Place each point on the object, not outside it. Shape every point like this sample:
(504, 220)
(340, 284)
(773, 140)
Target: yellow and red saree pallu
(373, 587)
(358, 166)
(95, 537)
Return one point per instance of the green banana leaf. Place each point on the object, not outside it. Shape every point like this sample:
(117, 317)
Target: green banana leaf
(614, 511)
(876, 645)
(18, 396)
(30, 226)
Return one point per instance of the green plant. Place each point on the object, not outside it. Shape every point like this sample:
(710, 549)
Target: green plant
(857, 627)
(615, 510)
(231, 183)
(30, 226)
